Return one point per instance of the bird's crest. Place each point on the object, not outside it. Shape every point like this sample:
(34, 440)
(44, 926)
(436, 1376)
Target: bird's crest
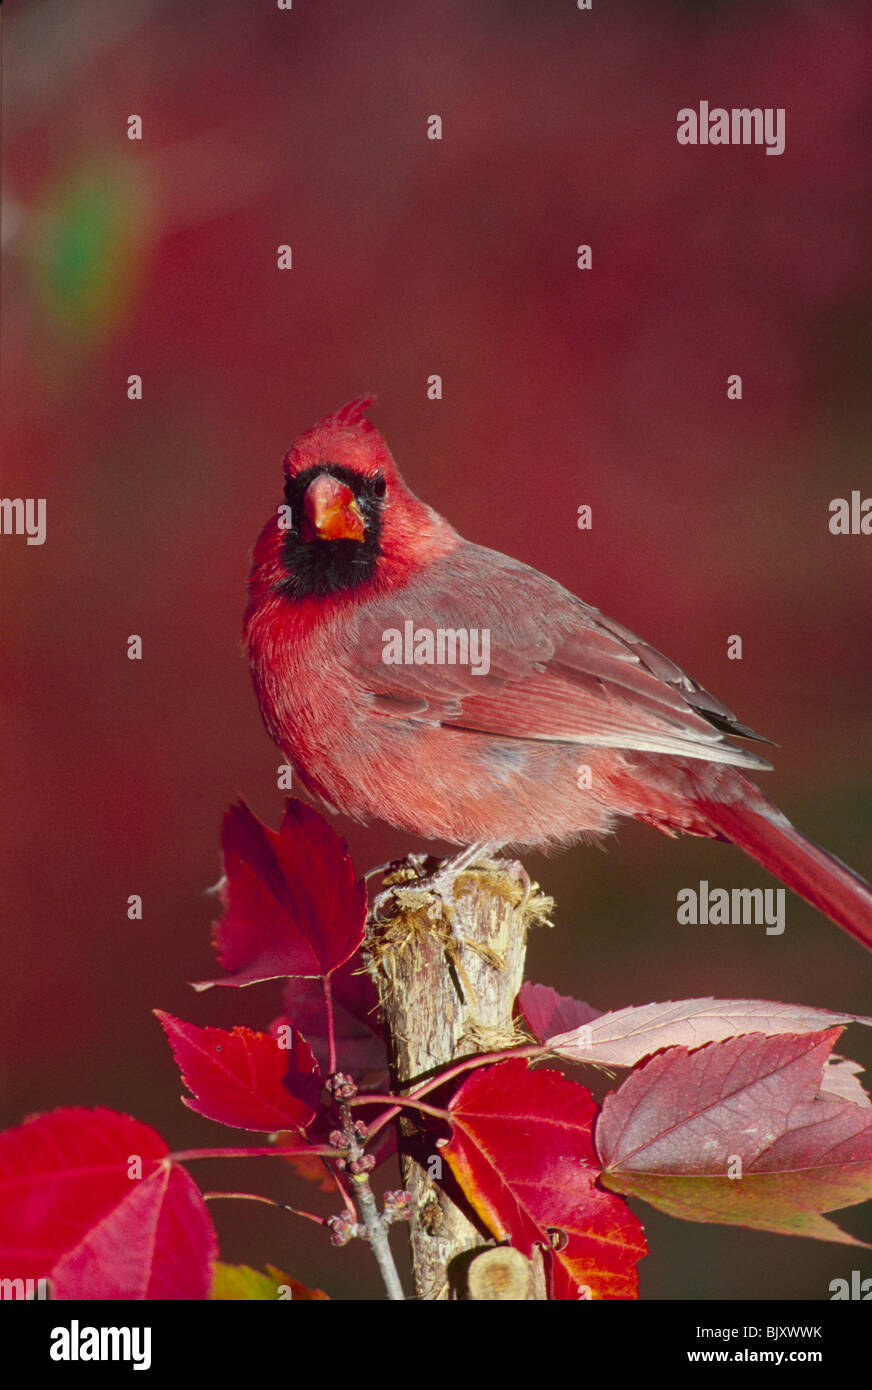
(353, 413)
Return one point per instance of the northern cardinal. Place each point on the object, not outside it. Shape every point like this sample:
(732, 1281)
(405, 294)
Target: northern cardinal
(543, 721)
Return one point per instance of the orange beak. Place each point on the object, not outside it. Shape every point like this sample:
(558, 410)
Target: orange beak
(331, 512)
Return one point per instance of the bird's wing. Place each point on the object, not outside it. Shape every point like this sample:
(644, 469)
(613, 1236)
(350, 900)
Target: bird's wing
(555, 668)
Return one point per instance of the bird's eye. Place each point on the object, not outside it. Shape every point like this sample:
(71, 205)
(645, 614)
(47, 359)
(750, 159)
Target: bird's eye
(379, 485)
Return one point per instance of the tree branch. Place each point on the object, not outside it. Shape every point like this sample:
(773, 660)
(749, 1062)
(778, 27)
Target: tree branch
(447, 989)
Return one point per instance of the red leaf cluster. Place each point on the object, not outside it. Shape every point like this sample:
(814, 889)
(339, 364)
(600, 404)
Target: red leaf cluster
(733, 1110)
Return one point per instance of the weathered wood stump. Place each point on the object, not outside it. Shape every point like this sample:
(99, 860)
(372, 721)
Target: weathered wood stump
(447, 986)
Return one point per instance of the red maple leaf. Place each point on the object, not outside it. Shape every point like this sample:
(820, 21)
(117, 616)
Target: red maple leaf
(548, 1012)
(91, 1200)
(292, 905)
(522, 1150)
(743, 1132)
(245, 1079)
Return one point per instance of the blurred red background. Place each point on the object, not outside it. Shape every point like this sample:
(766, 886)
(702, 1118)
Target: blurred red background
(561, 387)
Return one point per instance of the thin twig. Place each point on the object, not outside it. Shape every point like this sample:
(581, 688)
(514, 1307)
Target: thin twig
(302, 1151)
(331, 1027)
(340, 1187)
(378, 1237)
(403, 1103)
(468, 1064)
(269, 1201)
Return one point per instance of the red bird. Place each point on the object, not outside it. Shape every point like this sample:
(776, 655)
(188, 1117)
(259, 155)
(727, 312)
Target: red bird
(460, 695)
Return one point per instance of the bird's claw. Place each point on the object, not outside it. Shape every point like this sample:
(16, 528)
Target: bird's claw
(438, 885)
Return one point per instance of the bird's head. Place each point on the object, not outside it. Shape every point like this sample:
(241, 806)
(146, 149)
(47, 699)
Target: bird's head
(347, 506)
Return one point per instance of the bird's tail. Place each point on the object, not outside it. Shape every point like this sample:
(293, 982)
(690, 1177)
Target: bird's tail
(829, 885)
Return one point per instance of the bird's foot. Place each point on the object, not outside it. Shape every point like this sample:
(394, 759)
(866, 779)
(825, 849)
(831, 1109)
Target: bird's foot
(414, 863)
(439, 884)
